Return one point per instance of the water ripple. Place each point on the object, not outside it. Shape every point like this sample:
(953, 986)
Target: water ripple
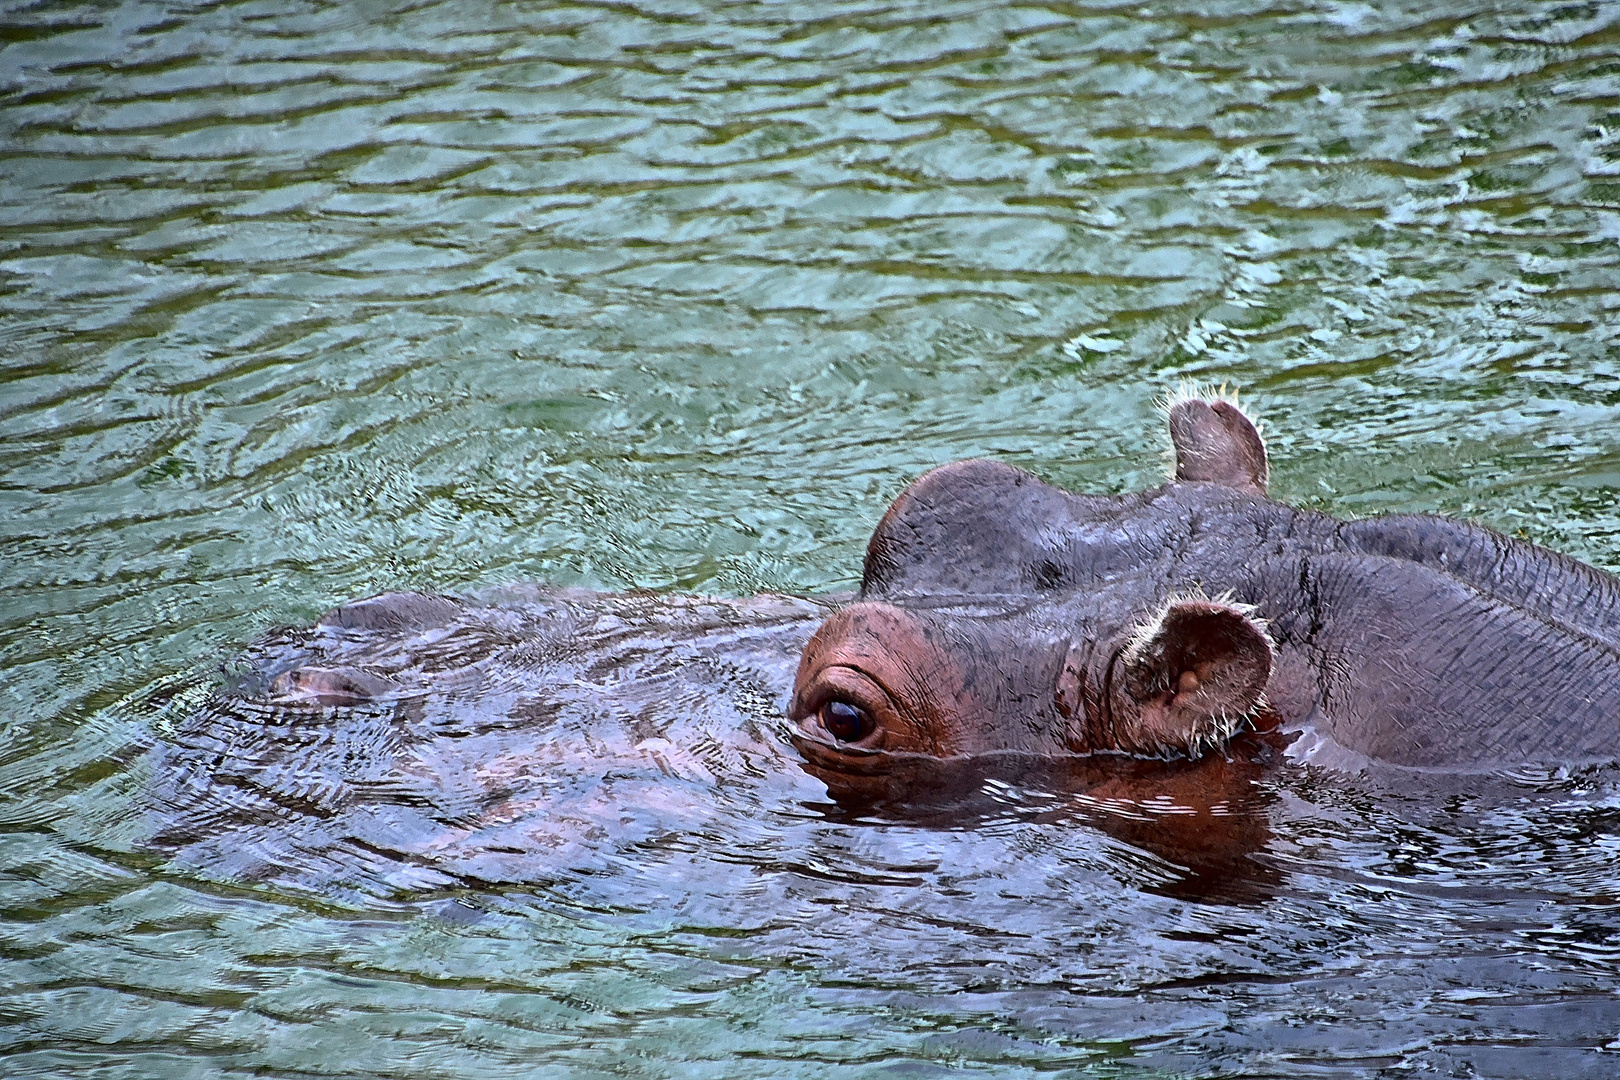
(306, 302)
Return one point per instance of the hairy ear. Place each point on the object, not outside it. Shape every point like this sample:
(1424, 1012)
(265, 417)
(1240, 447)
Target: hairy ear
(1214, 441)
(1189, 678)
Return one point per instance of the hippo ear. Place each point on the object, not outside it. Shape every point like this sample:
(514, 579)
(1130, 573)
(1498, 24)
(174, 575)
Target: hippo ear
(1214, 441)
(1189, 678)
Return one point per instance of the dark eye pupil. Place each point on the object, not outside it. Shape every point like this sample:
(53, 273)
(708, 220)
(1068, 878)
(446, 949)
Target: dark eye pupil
(845, 722)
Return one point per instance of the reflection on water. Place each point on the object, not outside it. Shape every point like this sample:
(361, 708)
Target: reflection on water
(302, 303)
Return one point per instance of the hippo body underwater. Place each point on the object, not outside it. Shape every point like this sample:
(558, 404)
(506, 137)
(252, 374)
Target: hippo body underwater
(1163, 650)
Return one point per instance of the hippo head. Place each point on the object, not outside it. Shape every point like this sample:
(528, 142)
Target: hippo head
(999, 614)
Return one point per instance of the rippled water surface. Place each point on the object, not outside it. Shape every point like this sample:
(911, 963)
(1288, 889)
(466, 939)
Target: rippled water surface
(305, 302)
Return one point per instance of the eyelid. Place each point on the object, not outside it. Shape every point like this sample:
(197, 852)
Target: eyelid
(864, 692)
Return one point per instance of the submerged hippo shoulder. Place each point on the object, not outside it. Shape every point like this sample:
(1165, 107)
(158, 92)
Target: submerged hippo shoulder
(1000, 614)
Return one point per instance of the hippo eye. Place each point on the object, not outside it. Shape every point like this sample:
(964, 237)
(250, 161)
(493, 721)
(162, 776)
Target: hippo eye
(845, 722)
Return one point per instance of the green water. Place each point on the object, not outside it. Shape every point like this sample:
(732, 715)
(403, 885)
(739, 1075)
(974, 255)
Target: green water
(303, 302)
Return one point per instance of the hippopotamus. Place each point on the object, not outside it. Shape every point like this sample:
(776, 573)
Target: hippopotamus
(999, 614)
(1143, 660)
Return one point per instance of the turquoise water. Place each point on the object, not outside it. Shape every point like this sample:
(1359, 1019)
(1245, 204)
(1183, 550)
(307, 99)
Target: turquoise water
(303, 302)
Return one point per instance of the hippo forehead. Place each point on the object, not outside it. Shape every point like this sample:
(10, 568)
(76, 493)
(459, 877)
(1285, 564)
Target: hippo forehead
(981, 528)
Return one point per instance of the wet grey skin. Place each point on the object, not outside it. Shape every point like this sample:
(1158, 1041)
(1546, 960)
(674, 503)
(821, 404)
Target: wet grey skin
(998, 613)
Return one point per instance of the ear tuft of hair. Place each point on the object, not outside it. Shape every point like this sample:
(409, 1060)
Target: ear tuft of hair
(1190, 677)
(1214, 441)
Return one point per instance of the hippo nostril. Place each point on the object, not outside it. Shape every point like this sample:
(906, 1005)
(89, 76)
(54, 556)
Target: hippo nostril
(845, 722)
